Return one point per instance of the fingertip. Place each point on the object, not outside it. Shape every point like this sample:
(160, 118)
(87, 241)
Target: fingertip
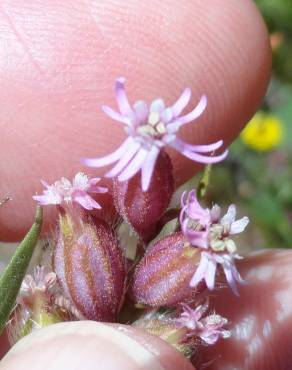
(90, 344)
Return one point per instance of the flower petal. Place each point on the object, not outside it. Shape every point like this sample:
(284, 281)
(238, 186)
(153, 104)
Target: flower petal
(80, 181)
(202, 148)
(190, 116)
(215, 213)
(166, 115)
(196, 238)
(116, 116)
(195, 113)
(124, 160)
(47, 199)
(197, 157)
(181, 102)
(85, 200)
(239, 225)
(210, 273)
(201, 271)
(111, 158)
(157, 106)
(121, 96)
(134, 166)
(141, 111)
(229, 217)
(148, 167)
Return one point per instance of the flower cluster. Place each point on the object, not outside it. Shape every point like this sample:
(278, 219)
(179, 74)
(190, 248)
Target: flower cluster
(209, 328)
(39, 286)
(204, 229)
(63, 191)
(149, 130)
(90, 268)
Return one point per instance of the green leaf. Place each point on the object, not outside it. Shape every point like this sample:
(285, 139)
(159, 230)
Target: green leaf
(11, 279)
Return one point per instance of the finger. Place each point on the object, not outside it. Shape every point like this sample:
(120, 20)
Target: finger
(4, 345)
(260, 318)
(90, 345)
(59, 60)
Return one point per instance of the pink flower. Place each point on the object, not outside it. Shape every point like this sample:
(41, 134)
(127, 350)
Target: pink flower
(150, 129)
(209, 328)
(41, 284)
(204, 229)
(207, 270)
(63, 191)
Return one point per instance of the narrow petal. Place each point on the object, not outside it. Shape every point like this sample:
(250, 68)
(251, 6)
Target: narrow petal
(197, 157)
(167, 115)
(157, 106)
(47, 199)
(196, 238)
(45, 184)
(85, 200)
(230, 277)
(94, 188)
(229, 217)
(121, 96)
(134, 166)
(200, 272)
(116, 116)
(80, 181)
(111, 158)
(97, 189)
(210, 274)
(195, 113)
(125, 159)
(201, 148)
(210, 337)
(239, 225)
(141, 111)
(181, 102)
(215, 213)
(236, 274)
(148, 167)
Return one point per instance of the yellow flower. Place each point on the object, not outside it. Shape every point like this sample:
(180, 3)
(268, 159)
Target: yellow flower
(263, 133)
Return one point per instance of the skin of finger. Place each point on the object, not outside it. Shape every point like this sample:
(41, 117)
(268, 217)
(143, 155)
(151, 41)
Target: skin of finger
(88, 344)
(260, 318)
(59, 61)
(4, 345)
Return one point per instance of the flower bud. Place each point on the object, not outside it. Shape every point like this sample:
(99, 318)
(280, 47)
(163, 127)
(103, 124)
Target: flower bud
(36, 304)
(163, 276)
(185, 329)
(90, 268)
(142, 209)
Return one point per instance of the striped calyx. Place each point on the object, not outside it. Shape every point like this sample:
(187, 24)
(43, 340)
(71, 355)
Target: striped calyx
(163, 276)
(143, 209)
(90, 267)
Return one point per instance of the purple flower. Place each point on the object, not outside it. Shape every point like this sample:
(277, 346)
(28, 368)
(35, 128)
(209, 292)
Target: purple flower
(204, 229)
(150, 129)
(207, 270)
(63, 191)
(209, 328)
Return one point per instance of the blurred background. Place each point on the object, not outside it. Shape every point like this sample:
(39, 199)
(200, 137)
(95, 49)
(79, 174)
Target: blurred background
(258, 174)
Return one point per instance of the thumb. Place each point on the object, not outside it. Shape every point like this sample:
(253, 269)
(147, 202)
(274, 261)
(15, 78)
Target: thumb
(90, 345)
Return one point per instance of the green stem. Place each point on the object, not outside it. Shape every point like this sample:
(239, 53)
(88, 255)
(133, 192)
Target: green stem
(204, 182)
(12, 277)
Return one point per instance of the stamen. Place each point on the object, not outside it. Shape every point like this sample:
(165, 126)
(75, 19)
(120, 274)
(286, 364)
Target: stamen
(153, 118)
(160, 128)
